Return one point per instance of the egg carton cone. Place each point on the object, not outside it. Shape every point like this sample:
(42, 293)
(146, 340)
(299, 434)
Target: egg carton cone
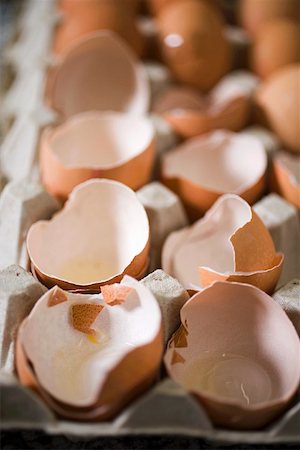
(166, 409)
(282, 220)
(288, 298)
(22, 203)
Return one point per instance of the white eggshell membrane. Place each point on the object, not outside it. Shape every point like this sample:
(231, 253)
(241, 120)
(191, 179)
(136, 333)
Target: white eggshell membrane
(100, 230)
(100, 72)
(221, 161)
(207, 242)
(69, 365)
(100, 140)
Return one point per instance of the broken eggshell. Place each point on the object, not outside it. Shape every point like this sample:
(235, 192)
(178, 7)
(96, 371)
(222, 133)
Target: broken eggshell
(286, 176)
(101, 234)
(89, 16)
(227, 106)
(224, 356)
(97, 145)
(99, 72)
(205, 167)
(88, 355)
(230, 243)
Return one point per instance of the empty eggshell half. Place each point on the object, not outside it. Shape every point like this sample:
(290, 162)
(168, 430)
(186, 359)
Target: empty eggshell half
(101, 234)
(99, 72)
(229, 354)
(230, 243)
(191, 113)
(286, 177)
(97, 145)
(87, 357)
(205, 167)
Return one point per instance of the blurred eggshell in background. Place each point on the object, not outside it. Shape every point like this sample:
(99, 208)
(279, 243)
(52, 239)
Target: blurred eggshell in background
(230, 243)
(227, 106)
(95, 15)
(254, 14)
(286, 177)
(101, 234)
(157, 6)
(100, 72)
(277, 44)
(77, 5)
(193, 43)
(278, 100)
(86, 358)
(203, 168)
(229, 354)
(97, 145)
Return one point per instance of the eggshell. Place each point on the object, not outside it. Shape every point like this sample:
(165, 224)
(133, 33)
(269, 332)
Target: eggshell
(203, 168)
(233, 320)
(198, 54)
(230, 243)
(276, 45)
(70, 6)
(278, 102)
(108, 368)
(94, 15)
(101, 234)
(97, 145)
(156, 6)
(254, 14)
(99, 72)
(286, 177)
(191, 114)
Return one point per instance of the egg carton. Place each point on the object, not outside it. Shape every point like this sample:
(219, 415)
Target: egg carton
(166, 409)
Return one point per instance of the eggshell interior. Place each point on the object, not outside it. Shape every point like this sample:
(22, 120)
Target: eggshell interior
(100, 231)
(229, 239)
(100, 140)
(99, 72)
(220, 161)
(247, 323)
(72, 364)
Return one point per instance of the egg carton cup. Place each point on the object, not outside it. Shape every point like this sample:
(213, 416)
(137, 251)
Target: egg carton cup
(166, 409)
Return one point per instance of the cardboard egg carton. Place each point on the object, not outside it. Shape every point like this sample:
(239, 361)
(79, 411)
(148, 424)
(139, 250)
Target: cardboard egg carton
(166, 408)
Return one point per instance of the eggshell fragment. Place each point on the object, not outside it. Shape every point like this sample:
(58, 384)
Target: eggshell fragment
(276, 45)
(88, 378)
(99, 72)
(203, 168)
(97, 145)
(286, 177)
(198, 54)
(88, 16)
(191, 113)
(278, 101)
(254, 14)
(230, 243)
(227, 360)
(101, 234)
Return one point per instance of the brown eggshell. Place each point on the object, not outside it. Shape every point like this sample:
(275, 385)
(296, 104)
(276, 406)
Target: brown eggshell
(227, 327)
(278, 102)
(110, 388)
(203, 168)
(70, 6)
(276, 45)
(94, 15)
(192, 114)
(99, 72)
(254, 14)
(230, 243)
(156, 6)
(101, 234)
(197, 54)
(97, 145)
(286, 177)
